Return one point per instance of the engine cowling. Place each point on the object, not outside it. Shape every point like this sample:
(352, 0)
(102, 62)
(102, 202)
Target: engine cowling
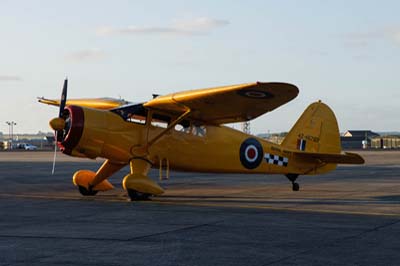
(73, 129)
(94, 133)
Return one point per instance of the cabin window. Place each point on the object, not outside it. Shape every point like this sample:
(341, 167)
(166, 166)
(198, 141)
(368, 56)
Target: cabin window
(184, 129)
(179, 127)
(183, 126)
(137, 119)
(159, 120)
(199, 131)
(188, 128)
(162, 124)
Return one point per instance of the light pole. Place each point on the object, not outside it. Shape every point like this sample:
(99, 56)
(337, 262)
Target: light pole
(11, 125)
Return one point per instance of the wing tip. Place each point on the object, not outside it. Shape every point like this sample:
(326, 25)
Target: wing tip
(47, 101)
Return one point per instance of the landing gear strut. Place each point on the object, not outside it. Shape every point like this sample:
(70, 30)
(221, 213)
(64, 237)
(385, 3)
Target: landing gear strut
(292, 178)
(138, 185)
(295, 186)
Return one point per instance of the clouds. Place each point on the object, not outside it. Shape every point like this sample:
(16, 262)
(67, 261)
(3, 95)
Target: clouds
(393, 34)
(10, 78)
(197, 26)
(86, 55)
(364, 39)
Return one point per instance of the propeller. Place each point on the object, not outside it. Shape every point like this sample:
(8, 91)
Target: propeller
(58, 123)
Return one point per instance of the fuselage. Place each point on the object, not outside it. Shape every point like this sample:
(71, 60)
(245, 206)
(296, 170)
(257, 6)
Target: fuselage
(201, 148)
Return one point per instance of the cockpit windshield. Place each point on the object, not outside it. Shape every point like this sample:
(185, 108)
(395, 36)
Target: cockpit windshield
(132, 113)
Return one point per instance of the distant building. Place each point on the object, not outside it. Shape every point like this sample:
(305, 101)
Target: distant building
(276, 138)
(357, 139)
(386, 142)
(360, 133)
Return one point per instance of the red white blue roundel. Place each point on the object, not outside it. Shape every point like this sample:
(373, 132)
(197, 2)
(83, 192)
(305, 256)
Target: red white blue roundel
(251, 153)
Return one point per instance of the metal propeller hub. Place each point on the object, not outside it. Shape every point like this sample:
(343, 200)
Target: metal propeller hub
(57, 123)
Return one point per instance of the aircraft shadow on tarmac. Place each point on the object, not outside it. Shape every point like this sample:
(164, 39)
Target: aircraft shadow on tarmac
(260, 200)
(390, 199)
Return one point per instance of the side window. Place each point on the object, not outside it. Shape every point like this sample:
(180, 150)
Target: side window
(159, 120)
(138, 119)
(157, 123)
(183, 126)
(199, 131)
(179, 127)
(195, 130)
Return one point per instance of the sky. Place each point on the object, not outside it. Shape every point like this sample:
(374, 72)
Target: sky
(345, 53)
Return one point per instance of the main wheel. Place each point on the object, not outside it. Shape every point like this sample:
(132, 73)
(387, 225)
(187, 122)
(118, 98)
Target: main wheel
(87, 192)
(296, 186)
(137, 195)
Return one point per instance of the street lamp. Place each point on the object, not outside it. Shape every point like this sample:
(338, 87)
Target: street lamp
(11, 125)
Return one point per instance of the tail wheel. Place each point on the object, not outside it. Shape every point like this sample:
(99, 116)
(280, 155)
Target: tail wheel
(292, 178)
(137, 196)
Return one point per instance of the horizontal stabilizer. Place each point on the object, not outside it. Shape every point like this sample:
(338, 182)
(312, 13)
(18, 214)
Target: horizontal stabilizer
(341, 158)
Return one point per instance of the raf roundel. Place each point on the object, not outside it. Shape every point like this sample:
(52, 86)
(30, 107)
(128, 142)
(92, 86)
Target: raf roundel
(255, 94)
(251, 153)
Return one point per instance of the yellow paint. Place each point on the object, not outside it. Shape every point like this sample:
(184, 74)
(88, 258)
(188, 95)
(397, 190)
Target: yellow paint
(84, 178)
(318, 126)
(108, 135)
(246, 101)
(138, 179)
(97, 103)
(57, 123)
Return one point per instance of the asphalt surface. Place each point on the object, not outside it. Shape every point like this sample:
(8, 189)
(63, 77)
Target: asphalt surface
(348, 217)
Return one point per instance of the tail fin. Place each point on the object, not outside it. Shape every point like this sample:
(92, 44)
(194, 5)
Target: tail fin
(316, 138)
(315, 131)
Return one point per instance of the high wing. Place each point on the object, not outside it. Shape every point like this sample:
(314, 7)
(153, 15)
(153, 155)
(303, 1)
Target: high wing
(97, 103)
(226, 104)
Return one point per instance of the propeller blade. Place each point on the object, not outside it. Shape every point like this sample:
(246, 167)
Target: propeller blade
(63, 98)
(55, 155)
(57, 124)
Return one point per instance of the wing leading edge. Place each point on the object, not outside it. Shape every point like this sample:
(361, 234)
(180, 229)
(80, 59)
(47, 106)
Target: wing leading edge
(97, 103)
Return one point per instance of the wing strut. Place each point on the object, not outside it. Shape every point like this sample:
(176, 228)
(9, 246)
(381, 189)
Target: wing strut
(170, 126)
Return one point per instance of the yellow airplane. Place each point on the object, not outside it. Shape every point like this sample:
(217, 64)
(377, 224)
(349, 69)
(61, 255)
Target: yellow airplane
(184, 131)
